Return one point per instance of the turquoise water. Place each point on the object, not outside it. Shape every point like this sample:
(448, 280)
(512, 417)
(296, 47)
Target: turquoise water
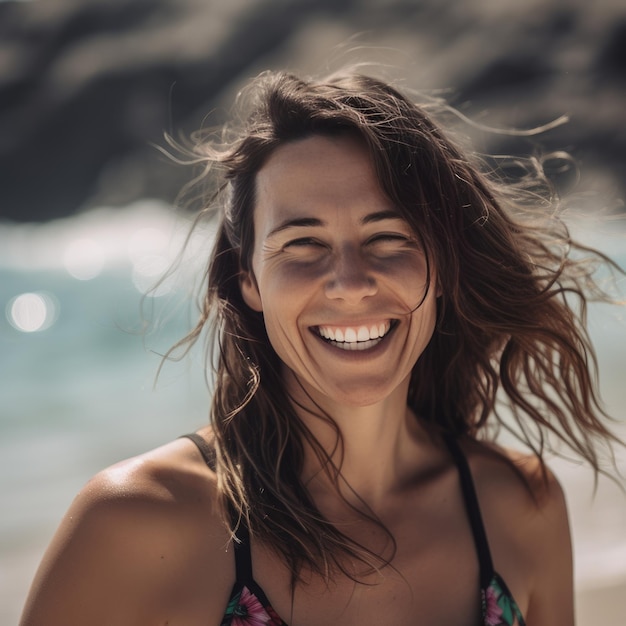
(78, 394)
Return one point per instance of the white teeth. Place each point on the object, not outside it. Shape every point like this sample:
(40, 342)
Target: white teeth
(358, 338)
(363, 334)
(360, 345)
(350, 335)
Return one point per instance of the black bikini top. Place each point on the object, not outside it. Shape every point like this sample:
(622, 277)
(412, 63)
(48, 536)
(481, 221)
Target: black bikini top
(248, 604)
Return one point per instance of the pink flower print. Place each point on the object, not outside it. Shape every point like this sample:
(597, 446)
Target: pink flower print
(249, 611)
(494, 612)
(275, 620)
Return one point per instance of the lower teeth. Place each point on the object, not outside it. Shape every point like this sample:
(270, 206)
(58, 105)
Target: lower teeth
(359, 345)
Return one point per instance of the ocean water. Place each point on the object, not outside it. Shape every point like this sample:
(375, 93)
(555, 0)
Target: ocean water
(80, 345)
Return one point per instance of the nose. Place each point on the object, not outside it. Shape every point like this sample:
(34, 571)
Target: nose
(351, 279)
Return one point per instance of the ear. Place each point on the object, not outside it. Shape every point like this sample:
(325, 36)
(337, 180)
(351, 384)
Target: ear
(250, 291)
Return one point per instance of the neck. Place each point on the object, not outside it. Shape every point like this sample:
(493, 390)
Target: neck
(379, 448)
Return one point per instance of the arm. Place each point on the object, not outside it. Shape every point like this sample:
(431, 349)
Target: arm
(552, 591)
(142, 543)
(527, 525)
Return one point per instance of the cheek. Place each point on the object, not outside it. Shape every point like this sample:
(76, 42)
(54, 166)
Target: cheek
(424, 319)
(285, 338)
(283, 284)
(408, 263)
(411, 286)
(284, 300)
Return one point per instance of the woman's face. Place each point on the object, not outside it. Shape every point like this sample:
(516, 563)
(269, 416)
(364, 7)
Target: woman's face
(339, 276)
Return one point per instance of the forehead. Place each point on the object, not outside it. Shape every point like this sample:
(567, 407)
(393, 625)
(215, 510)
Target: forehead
(318, 173)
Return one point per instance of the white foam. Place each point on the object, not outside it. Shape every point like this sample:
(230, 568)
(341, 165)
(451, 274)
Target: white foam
(148, 236)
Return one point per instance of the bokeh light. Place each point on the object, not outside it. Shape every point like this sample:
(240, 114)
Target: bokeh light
(32, 312)
(150, 254)
(149, 275)
(84, 259)
(146, 242)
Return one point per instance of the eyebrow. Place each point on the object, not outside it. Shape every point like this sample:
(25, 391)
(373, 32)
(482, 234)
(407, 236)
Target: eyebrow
(380, 216)
(304, 222)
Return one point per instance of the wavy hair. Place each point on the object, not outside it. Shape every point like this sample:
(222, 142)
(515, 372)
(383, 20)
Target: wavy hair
(510, 347)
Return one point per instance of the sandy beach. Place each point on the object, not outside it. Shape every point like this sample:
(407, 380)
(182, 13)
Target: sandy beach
(602, 606)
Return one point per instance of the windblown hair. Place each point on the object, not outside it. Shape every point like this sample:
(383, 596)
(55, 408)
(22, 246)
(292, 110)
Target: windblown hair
(510, 347)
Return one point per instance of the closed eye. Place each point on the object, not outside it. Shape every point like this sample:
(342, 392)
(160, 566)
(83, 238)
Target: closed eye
(304, 242)
(390, 237)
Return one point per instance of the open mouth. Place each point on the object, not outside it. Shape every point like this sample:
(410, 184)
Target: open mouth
(357, 337)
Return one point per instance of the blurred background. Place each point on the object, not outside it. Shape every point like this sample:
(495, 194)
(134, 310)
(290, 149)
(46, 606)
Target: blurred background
(88, 216)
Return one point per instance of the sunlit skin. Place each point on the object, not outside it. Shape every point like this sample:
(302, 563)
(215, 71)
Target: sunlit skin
(333, 264)
(331, 251)
(333, 257)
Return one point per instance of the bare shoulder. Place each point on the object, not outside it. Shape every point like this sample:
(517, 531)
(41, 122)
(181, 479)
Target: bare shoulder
(143, 541)
(521, 480)
(525, 514)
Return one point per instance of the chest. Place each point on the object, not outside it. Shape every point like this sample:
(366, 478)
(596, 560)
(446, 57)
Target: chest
(433, 580)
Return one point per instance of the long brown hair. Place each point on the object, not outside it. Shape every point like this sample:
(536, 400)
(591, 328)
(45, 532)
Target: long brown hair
(510, 346)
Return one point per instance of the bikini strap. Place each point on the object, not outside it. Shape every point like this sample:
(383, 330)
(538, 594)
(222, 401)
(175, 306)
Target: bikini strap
(473, 512)
(207, 451)
(243, 557)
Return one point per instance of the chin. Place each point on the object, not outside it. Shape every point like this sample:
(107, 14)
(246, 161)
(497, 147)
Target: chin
(362, 395)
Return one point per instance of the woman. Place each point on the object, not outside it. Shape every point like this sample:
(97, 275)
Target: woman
(371, 294)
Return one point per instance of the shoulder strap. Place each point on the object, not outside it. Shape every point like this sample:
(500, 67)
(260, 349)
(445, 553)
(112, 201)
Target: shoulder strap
(207, 451)
(473, 512)
(243, 557)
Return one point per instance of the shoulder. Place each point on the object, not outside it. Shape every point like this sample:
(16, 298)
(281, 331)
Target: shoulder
(168, 485)
(167, 479)
(525, 514)
(142, 538)
(166, 488)
(519, 479)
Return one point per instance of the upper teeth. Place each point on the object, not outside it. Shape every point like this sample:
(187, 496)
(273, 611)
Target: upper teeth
(351, 335)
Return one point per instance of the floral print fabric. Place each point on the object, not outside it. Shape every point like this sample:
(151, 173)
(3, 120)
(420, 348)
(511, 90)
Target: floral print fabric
(245, 608)
(499, 607)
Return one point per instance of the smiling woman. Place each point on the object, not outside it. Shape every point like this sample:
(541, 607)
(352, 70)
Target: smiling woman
(331, 262)
(374, 301)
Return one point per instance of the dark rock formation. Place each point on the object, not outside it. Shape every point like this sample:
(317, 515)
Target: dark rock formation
(88, 86)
